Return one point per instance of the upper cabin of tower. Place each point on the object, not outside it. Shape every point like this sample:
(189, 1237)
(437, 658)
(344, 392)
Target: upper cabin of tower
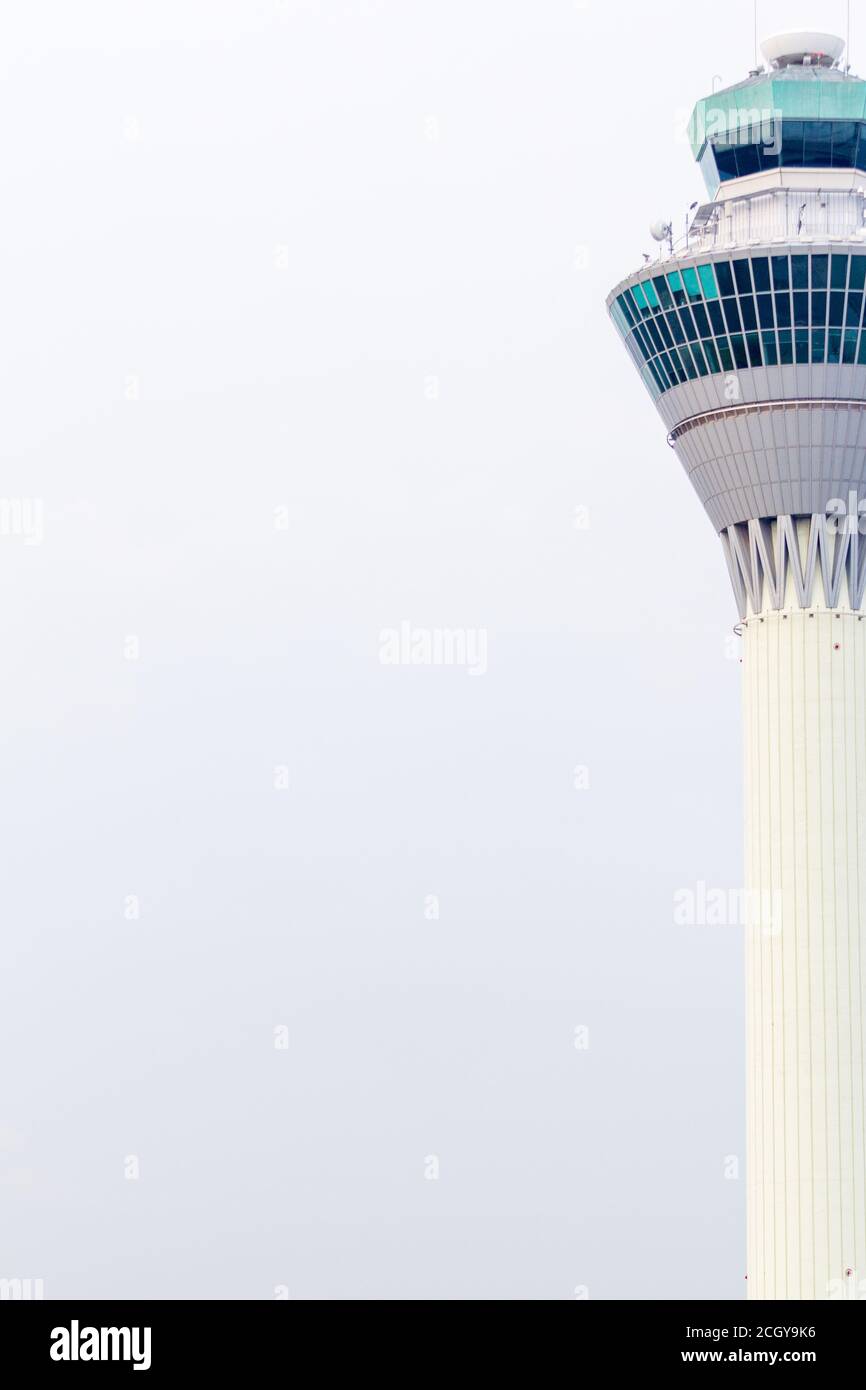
(800, 122)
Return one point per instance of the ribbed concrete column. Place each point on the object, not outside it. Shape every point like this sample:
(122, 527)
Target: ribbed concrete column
(805, 747)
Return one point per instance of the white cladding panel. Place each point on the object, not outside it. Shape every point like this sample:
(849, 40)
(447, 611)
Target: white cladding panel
(805, 754)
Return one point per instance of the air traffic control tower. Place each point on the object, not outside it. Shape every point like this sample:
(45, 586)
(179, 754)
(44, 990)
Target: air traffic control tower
(749, 335)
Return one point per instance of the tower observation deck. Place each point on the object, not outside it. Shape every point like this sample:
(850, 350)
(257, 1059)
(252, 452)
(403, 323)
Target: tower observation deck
(750, 336)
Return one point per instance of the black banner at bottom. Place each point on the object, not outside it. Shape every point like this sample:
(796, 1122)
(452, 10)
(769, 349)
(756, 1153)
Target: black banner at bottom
(155, 1339)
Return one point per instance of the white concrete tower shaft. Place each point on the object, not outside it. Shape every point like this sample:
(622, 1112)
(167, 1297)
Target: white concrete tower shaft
(804, 713)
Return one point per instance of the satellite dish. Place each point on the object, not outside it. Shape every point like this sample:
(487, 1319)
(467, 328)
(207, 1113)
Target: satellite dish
(660, 230)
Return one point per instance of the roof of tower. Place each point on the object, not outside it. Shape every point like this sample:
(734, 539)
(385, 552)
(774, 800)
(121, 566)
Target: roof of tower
(802, 85)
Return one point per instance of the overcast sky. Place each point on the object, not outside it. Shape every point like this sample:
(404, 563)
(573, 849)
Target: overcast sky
(325, 974)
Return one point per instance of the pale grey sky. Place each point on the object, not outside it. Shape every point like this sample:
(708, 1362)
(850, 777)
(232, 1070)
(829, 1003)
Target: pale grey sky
(304, 339)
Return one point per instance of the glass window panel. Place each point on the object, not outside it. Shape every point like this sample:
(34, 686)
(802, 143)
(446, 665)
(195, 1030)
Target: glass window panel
(786, 347)
(819, 344)
(674, 371)
(800, 272)
(783, 310)
(636, 314)
(703, 369)
(834, 345)
(819, 272)
(844, 135)
(801, 310)
(837, 309)
(725, 354)
(711, 356)
(771, 352)
(769, 151)
(858, 273)
(854, 310)
(747, 161)
(780, 273)
(626, 309)
(676, 327)
(747, 309)
(861, 351)
(753, 344)
(742, 276)
(838, 272)
(765, 311)
(739, 347)
(688, 363)
(644, 343)
(716, 318)
(662, 291)
(649, 290)
(761, 272)
(690, 280)
(725, 161)
(792, 143)
(675, 281)
(665, 331)
(689, 325)
(724, 277)
(732, 318)
(708, 281)
(703, 323)
(817, 144)
(819, 307)
(656, 337)
(639, 297)
(801, 344)
(849, 345)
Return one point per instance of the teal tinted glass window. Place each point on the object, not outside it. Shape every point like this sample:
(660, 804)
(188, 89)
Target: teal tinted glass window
(800, 272)
(838, 272)
(625, 308)
(708, 281)
(858, 273)
(639, 296)
(675, 282)
(742, 277)
(849, 345)
(690, 281)
(724, 277)
(649, 290)
(662, 291)
(820, 267)
(780, 273)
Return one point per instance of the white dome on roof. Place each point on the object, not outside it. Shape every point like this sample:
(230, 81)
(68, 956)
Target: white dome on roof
(785, 50)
